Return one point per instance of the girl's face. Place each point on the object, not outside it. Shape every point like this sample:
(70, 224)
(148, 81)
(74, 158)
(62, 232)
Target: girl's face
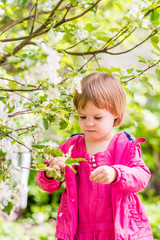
(96, 123)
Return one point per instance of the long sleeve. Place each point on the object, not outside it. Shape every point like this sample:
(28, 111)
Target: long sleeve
(135, 176)
(50, 185)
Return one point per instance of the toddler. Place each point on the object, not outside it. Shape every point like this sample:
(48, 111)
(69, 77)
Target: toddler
(100, 202)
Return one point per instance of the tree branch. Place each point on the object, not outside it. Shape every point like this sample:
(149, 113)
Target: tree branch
(32, 169)
(34, 18)
(26, 97)
(151, 10)
(78, 16)
(137, 45)
(153, 65)
(22, 90)
(10, 80)
(6, 27)
(105, 50)
(21, 129)
(41, 30)
(18, 142)
(28, 111)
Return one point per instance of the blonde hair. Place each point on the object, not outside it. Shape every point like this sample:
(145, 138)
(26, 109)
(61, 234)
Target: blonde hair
(105, 92)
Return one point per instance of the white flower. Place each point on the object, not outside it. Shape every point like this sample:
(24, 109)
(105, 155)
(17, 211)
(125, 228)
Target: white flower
(2, 12)
(134, 10)
(53, 93)
(77, 83)
(145, 23)
(49, 69)
(6, 193)
(81, 34)
(5, 145)
(1, 51)
(14, 100)
(37, 135)
(150, 120)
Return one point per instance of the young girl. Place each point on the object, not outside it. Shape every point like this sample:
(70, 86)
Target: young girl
(100, 202)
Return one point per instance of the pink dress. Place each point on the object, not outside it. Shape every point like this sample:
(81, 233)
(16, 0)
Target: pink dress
(85, 211)
(95, 218)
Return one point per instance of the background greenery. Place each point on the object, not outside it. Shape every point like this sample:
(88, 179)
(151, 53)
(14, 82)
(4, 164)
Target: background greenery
(46, 47)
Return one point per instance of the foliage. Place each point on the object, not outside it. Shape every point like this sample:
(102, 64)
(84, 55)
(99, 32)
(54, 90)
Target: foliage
(42, 229)
(46, 48)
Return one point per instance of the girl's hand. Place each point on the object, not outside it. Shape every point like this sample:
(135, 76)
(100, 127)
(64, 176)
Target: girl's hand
(56, 163)
(104, 175)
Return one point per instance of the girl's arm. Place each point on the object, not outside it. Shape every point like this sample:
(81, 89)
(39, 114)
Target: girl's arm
(134, 177)
(47, 184)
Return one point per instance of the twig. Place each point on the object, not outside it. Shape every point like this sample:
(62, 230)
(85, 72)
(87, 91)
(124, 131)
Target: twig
(151, 10)
(6, 27)
(32, 169)
(137, 45)
(19, 142)
(34, 18)
(25, 97)
(10, 80)
(74, 45)
(28, 111)
(80, 15)
(21, 129)
(68, 9)
(153, 65)
(21, 90)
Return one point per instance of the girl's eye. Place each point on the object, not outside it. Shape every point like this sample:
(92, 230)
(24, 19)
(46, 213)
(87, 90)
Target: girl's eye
(98, 118)
(82, 117)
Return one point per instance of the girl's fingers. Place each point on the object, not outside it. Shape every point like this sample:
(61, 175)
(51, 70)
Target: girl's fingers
(56, 167)
(58, 161)
(104, 174)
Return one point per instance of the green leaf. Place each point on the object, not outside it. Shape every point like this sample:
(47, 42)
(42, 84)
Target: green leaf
(2, 134)
(63, 124)
(2, 98)
(74, 161)
(23, 3)
(130, 70)
(70, 166)
(70, 151)
(154, 16)
(102, 36)
(10, 109)
(158, 74)
(12, 85)
(89, 27)
(58, 175)
(37, 146)
(55, 152)
(156, 46)
(73, 1)
(145, 79)
(131, 94)
(155, 39)
(61, 116)
(142, 59)
(8, 208)
(13, 59)
(42, 166)
(103, 69)
(45, 123)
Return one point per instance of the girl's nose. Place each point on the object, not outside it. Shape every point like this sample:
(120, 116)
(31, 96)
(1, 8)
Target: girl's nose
(90, 123)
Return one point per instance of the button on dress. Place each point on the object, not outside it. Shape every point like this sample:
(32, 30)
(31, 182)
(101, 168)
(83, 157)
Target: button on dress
(95, 218)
